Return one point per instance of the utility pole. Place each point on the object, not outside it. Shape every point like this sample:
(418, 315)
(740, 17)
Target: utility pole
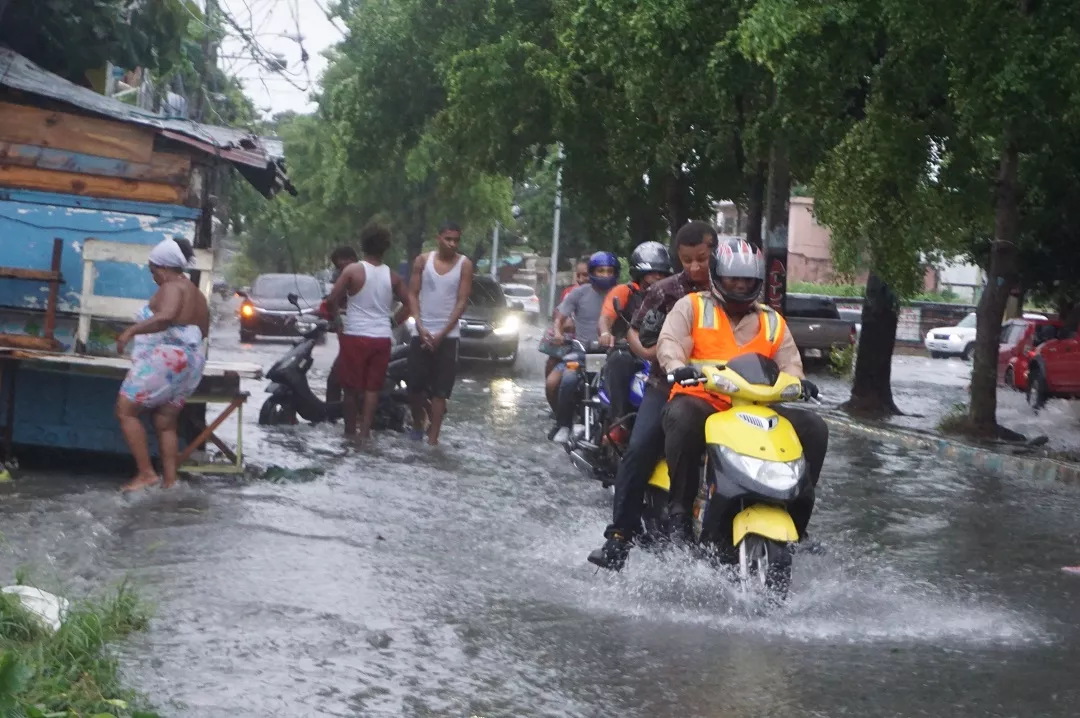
(495, 252)
(555, 233)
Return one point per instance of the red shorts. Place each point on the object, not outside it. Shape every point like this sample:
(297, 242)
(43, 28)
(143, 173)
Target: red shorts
(362, 361)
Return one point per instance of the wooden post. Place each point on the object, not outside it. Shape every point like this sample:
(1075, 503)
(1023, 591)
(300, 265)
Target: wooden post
(54, 288)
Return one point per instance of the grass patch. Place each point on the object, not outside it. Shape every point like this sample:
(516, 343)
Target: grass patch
(71, 673)
(955, 421)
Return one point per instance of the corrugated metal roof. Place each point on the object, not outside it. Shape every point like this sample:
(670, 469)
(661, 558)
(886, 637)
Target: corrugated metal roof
(234, 145)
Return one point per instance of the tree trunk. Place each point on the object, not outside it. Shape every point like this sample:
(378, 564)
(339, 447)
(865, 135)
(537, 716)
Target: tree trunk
(1000, 280)
(871, 394)
(776, 228)
(678, 210)
(755, 204)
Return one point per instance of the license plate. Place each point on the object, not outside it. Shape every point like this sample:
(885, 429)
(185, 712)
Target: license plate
(595, 362)
(812, 353)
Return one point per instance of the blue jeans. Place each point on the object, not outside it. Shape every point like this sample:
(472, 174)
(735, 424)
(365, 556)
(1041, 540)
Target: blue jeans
(567, 397)
(645, 448)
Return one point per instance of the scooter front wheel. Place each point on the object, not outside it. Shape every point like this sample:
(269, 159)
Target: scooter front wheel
(765, 565)
(276, 413)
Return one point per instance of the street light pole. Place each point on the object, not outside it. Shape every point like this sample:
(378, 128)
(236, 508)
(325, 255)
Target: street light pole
(555, 233)
(495, 252)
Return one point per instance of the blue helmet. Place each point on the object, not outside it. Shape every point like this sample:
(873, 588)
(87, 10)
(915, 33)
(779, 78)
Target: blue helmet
(603, 259)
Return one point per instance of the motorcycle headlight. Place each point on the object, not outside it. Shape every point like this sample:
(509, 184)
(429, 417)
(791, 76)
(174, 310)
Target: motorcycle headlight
(508, 326)
(791, 392)
(410, 324)
(724, 384)
(776, 475)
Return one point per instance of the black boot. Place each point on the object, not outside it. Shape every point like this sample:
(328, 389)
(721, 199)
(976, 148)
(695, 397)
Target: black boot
(612, 555)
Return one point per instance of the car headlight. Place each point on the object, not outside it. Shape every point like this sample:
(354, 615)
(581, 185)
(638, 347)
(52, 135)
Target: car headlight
(507, 327)
(791, 392)
(777, 475)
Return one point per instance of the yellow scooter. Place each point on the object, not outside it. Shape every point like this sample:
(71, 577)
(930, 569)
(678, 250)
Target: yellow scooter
(753, 473)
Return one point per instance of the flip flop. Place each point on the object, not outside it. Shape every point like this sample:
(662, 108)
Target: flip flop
(417, 434)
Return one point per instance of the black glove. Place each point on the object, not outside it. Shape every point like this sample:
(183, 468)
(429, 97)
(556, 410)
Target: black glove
(809, 389)
(685, 373)
(651, 324)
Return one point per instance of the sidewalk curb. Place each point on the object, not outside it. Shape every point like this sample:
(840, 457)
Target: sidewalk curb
(1038, 469)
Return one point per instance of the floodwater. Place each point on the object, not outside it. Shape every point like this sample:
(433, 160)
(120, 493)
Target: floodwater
(452, 582)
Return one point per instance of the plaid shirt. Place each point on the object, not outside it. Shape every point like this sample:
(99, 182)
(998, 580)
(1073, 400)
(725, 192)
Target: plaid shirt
(663, 296)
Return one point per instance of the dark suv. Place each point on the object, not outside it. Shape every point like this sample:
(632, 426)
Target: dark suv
(266, 309)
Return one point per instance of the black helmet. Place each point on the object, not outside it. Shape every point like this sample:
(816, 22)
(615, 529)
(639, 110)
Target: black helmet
(649, 257)
(736, 257)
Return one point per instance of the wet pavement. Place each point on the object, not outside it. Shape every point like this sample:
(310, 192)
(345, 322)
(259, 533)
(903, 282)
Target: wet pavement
(417, 582)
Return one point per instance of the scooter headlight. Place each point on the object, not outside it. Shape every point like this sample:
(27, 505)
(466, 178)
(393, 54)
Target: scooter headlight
(509, 326)
(776, 475)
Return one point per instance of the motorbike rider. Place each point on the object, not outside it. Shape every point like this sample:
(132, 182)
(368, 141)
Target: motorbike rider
(649, 263)
(581, 276)
(583, 304)
(694, 244)
(718, 325)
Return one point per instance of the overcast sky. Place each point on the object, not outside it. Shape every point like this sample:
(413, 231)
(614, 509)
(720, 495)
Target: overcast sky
(274, 26)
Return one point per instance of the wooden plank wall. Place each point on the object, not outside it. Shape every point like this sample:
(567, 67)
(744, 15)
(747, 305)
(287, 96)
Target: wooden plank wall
(72, 154)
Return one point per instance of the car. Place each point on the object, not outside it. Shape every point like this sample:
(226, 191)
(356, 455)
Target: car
(957, 340)
(1019, 338)
(266, 311)
(1053, 366)
(524, 294)
(490, 330)
(817, 327)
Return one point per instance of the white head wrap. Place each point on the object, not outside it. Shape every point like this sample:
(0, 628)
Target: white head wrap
(168, 254)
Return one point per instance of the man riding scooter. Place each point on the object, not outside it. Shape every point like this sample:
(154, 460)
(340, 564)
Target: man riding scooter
(649, 263)
(694, 244)
(583, 304)
(716, 326)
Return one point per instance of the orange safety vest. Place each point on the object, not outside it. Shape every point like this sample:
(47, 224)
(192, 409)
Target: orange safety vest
(714, 340)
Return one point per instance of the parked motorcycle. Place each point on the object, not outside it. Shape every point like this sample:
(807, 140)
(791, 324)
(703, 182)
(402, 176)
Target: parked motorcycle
(753, 474)
(590, 448)
(291, 395)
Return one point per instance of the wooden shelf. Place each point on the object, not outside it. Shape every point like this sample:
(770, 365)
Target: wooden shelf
(21, 341)
(33, 275)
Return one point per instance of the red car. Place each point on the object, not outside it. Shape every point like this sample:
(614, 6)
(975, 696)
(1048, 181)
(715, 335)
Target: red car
(1019, 339)
(1054, 366)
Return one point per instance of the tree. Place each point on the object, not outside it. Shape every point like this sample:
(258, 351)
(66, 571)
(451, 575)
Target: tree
(71, 37)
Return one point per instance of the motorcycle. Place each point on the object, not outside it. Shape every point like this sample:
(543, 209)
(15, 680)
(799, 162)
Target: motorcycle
(591, 450)
(290, 393)
(754, 472)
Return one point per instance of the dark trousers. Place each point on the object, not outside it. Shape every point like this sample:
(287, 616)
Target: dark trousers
(618, 372)
(684, 428)
(644, 449)
(566, 399)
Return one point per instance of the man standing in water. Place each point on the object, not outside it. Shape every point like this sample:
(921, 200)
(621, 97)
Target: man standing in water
(439, 290)
(369, 287)
(341, 258)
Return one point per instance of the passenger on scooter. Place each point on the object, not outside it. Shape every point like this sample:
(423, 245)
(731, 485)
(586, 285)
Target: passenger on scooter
(694, 244)
(583, 304)
(649, 263)
(718, 325)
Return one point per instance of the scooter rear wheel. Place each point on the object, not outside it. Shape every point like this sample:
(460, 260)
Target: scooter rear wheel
(276, 413)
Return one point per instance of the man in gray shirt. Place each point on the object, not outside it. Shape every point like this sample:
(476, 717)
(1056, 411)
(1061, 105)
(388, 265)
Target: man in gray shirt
(583, 305)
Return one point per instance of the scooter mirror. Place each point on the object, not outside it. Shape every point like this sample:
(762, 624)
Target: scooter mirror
(293, 299)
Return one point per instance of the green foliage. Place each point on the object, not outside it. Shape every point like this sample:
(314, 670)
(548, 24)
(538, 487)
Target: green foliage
(70, 37)
(842, 360)
(858, 290)
(71, 672)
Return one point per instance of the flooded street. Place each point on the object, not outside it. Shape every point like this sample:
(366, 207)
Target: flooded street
(414, 582)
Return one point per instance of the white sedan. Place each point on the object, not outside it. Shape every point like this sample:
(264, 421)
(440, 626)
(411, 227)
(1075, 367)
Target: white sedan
(522, 293)
(953, 341)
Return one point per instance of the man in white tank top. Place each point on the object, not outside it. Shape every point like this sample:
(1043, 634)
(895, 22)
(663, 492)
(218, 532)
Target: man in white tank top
(440, 286)
(365, 337)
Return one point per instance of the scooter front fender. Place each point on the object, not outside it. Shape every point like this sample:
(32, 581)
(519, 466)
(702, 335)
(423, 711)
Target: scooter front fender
(771, 522)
